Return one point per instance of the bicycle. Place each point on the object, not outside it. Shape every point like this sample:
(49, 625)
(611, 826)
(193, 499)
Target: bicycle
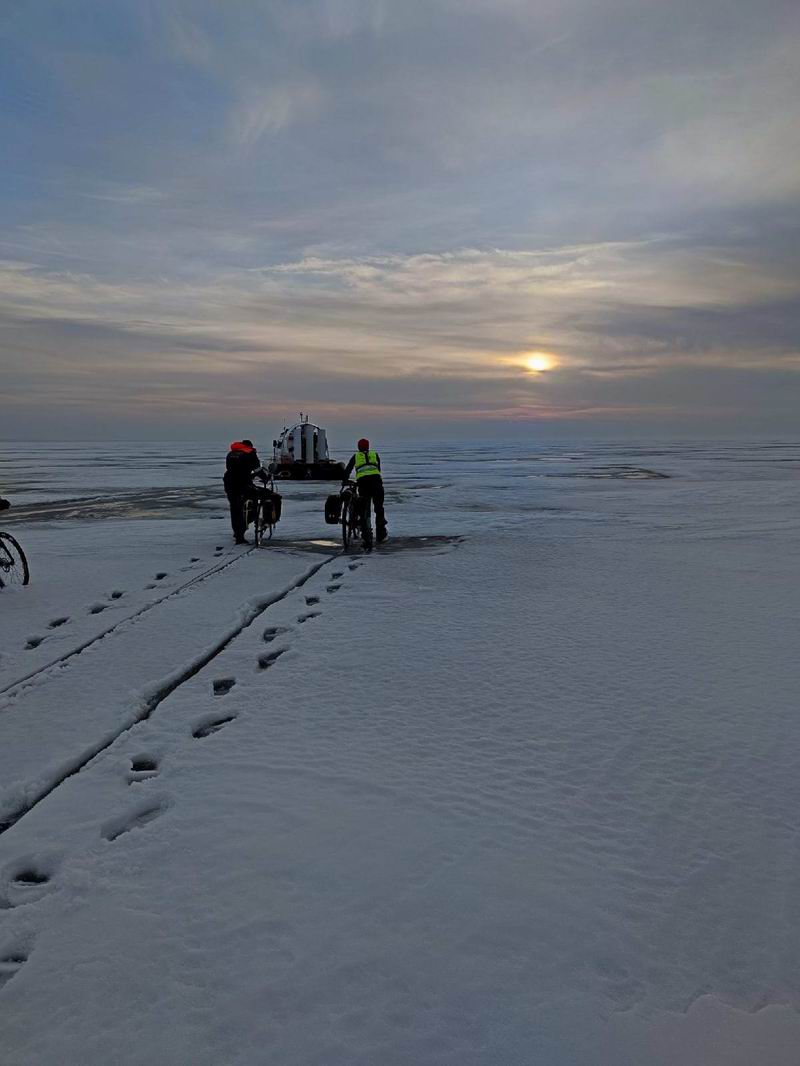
(13, 563)
(263, 510)
(356, 517)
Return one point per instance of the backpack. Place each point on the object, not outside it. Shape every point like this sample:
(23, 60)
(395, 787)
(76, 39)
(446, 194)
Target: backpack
(333, 509)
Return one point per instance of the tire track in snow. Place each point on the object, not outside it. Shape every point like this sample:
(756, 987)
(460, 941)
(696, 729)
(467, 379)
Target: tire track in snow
(166, 689)
(196, 580)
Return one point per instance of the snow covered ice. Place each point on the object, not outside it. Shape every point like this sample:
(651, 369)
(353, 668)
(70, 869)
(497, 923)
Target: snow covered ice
(520, 789)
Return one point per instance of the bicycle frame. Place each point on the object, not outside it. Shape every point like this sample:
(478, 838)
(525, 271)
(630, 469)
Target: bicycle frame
(257, 514)
(355, 517)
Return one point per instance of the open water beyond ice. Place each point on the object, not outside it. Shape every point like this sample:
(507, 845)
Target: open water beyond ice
(520, 789)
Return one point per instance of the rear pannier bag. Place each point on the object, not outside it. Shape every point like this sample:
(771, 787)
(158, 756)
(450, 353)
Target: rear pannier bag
(333, 509)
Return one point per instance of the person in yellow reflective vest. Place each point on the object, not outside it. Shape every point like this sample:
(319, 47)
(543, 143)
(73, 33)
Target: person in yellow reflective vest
(369, 481)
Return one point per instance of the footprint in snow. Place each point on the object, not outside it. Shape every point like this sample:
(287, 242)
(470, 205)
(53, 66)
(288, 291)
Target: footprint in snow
(337, 573)
(151, 587)
(161, 575)
(272, 632)
(332, 588)
(266, 660)
(307, 617)
(117, 594)
(57, 622)
(30, 877)
(209, 726)
(143, 767)
(311, 600)
(27, 884)
(96, 608)
(223, 685)
(134, 819)
(33, 642)
(10, 963)
(195, 559)
(352, 566)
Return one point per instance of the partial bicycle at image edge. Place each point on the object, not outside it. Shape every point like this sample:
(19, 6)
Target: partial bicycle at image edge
(13, 563)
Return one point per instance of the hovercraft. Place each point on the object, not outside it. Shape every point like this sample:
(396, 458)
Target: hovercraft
(301, 453)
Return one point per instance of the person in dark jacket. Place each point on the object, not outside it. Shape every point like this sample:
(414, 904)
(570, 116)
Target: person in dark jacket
(369, 481)
(241, 465)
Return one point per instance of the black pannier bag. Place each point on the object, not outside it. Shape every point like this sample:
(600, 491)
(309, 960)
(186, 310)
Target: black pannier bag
(333, 509)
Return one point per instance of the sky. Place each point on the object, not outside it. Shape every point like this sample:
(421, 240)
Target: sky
(404, 217)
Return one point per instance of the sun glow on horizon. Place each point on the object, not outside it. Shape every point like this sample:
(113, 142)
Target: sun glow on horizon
(540, 362)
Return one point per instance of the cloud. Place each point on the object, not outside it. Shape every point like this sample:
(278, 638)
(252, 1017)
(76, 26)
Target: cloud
(381, 205)
(271, 109)
(438, 335)
(116, 193)
(738, 140)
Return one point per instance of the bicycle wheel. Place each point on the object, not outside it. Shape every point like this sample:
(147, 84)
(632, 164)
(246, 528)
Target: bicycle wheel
(347, 531)
(267, 515)
(13, 564)
(247, 514)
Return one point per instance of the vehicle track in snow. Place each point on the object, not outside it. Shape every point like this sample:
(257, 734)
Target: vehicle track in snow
(150, 697)
(197, 579)
(30, 877)
(149, 705)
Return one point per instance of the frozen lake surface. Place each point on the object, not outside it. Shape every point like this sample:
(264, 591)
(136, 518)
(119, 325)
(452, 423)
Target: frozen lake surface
(521, 788)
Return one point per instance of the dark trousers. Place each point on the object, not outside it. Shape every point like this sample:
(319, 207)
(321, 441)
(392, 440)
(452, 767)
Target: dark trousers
(371, 488)
(236, 502)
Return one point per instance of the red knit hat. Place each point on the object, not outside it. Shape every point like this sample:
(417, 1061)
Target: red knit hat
(363, 444)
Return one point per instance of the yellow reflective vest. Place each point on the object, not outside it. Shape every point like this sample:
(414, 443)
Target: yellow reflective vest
(366, 464)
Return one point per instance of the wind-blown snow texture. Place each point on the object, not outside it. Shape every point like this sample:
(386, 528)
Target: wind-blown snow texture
(528, 797)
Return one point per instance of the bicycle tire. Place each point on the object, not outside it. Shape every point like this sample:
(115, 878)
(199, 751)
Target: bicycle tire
(14, 568)
(247, 514)
(346, 530)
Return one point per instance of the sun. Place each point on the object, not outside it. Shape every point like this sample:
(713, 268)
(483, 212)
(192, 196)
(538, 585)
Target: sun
(539, 362)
